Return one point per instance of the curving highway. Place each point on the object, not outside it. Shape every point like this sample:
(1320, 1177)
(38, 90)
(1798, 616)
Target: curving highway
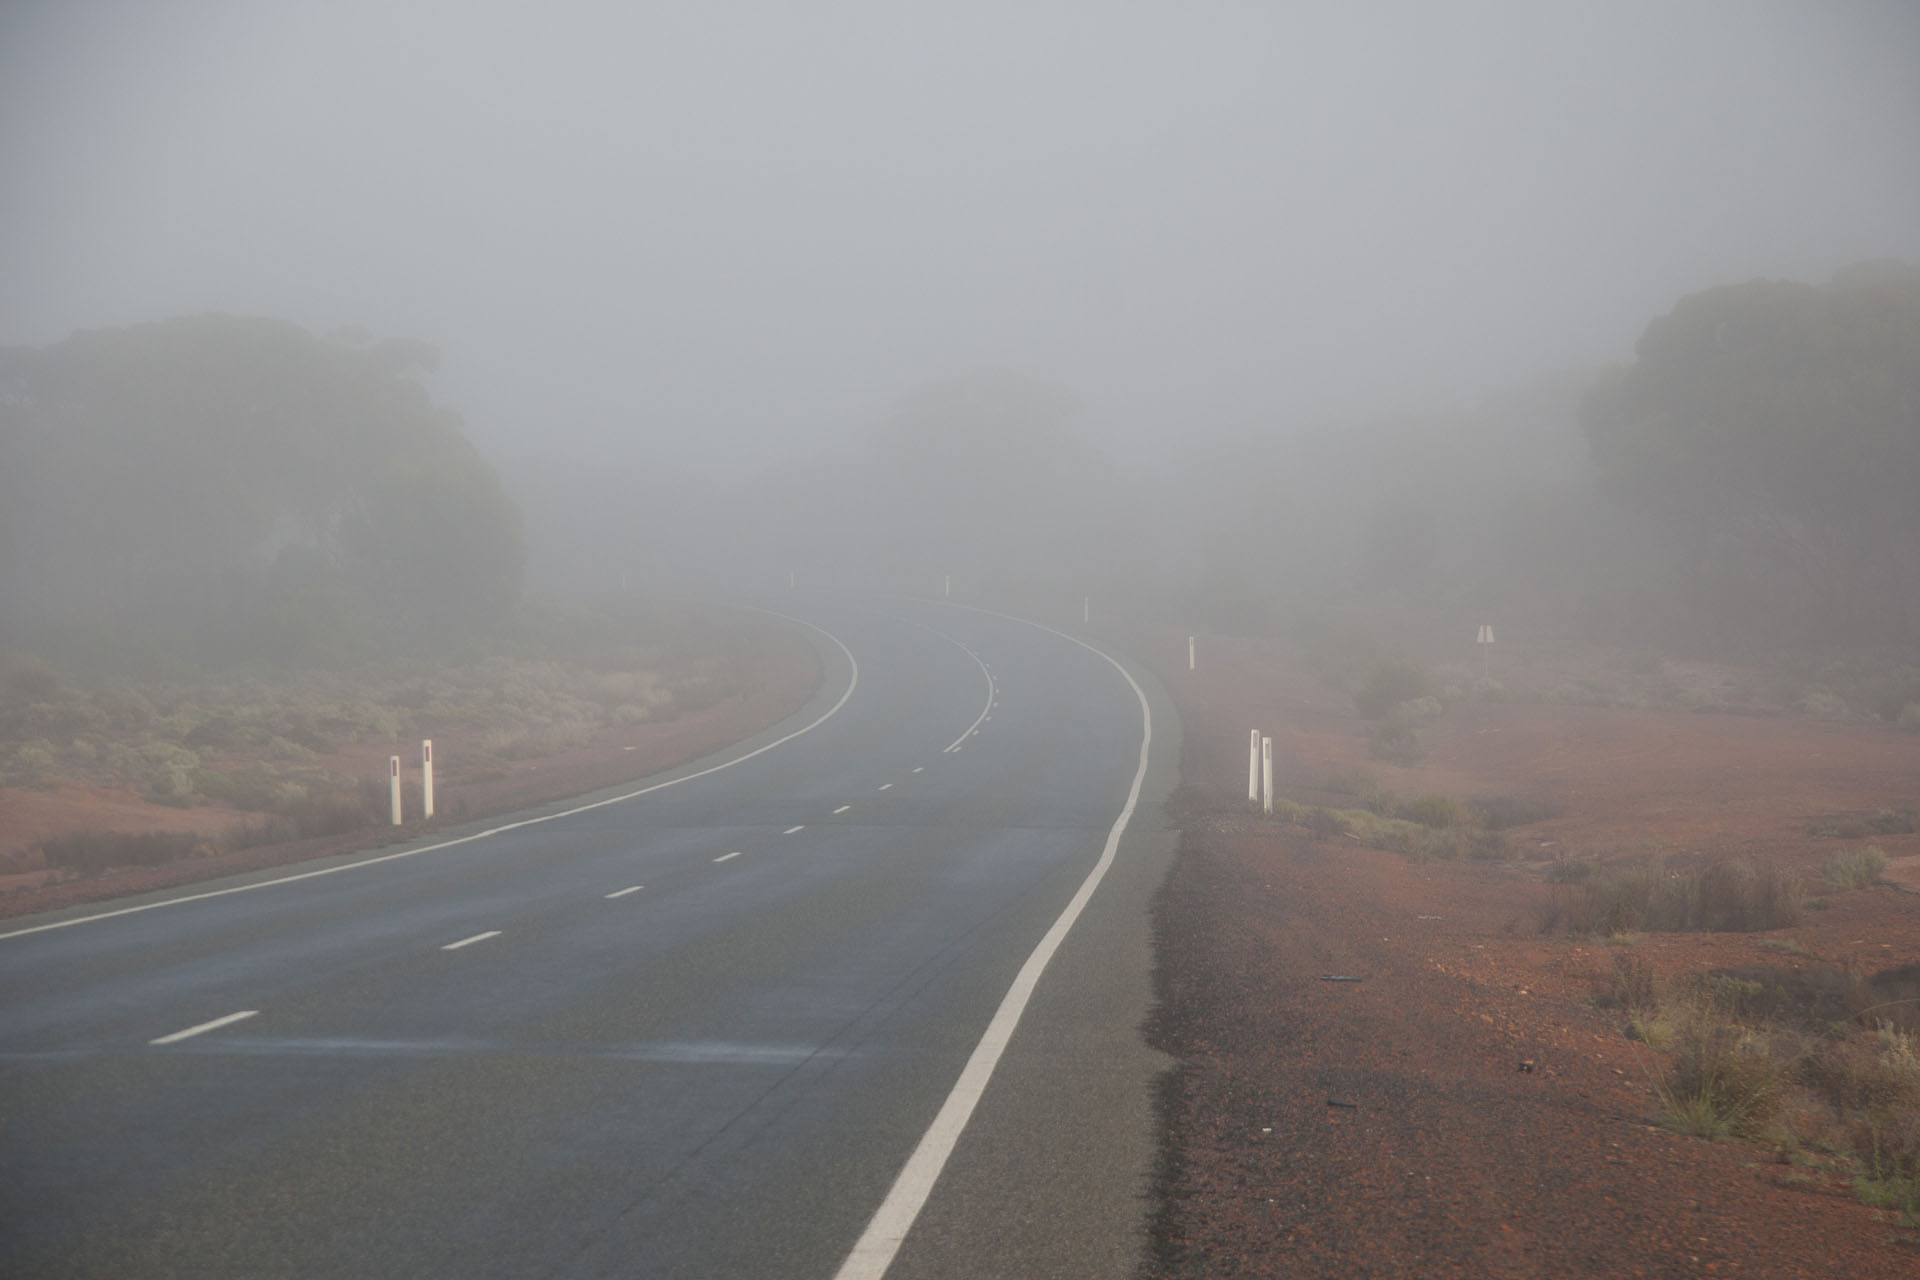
(860, 997)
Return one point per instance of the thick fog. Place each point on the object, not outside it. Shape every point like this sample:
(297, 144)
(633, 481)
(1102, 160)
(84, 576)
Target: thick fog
(707, 233)
(1249, 306)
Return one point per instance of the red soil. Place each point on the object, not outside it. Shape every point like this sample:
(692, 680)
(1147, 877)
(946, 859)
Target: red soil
(1453, 1158)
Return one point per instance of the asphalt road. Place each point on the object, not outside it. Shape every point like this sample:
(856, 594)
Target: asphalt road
(697, 1032)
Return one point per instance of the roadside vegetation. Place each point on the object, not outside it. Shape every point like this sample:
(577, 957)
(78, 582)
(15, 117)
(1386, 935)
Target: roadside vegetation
(270, 743)
(1819, 1063)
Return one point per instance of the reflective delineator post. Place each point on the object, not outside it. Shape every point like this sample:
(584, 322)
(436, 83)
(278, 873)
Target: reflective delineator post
(393, 773)
(1253, 768)
(1266, 775)
(946, 586)
(1086, 608)
(1189, 653)
(1485, 640)
(426, 777)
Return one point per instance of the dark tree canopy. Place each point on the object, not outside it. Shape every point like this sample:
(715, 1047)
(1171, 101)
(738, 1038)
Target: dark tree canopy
(1771, 431)
(242, 488)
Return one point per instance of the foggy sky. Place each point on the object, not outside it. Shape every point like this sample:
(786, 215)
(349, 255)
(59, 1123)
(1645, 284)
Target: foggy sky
(716, 232)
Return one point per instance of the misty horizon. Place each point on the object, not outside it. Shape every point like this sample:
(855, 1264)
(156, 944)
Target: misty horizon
(713, 239)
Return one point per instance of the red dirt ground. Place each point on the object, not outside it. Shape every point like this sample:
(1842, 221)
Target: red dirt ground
(1450, 1159)
(789, 673)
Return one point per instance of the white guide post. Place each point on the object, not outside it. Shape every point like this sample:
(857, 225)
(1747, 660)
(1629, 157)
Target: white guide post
(1189, 653)
(1253, 768)
(946, 586)
(393, 773)
(789, 579)
(1486, 650)
(1086, 608)
(426, 777)
(1266, 775)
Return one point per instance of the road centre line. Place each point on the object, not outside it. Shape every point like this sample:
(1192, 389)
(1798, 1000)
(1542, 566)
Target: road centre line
(919, 768)
(993, 691)
(204, 1027)
(874, 1252)
(791, 830)
(621, 893)
(842, 809)
(467, 942)
(853, 682)
(728, 857)
(888, 786)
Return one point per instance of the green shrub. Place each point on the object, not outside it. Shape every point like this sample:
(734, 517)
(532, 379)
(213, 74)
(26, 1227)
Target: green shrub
(1725, 1083)
(1430, 811)
(1633, 987)
(1855, 868)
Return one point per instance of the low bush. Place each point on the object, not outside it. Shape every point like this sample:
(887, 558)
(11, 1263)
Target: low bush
(1887, 822)
(1430, 811)
(1723, 897)
(91, 852)
(1386, 685)
(1633, 987)
(1497, 813)
(1855, 868)
(1395, 741)
(1726, 1081)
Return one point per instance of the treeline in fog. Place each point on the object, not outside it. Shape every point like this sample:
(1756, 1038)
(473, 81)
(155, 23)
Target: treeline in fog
(222, 487)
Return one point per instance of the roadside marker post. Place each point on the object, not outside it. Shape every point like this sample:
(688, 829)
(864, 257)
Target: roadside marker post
(1253, 768)
(393, 774)
(1266, 775)
(1485, 642)
(426, 777)
(1189, 653)
(1086, 609)
(946, 586)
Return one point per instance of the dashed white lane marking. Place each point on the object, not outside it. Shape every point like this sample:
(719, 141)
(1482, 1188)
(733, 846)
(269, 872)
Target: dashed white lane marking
(919, 768)
(790, 830)
(204, 1027)
(993, 692)
(873, 1253)
(888, 786)
(853, 682)
(728, 857)
(467, 942)
(842, 809)
(621, 893)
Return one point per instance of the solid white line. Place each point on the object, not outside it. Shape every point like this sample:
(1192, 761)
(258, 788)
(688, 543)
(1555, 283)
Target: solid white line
(728, 857)
(853, 683)
(842, 809)
(873, 1253)
(790, 830)
(888, 786)
(467, 942)
(215, 1025)
(621, 893)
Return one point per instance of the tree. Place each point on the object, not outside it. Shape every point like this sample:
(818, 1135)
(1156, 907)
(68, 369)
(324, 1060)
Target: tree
(1771, 430)
(196, 478)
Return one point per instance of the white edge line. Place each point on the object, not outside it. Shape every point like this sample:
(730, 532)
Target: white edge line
(853, 682)
(215, 1025)
(621, 893)
(467, 942)
(873, 1253)
(728, 857)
